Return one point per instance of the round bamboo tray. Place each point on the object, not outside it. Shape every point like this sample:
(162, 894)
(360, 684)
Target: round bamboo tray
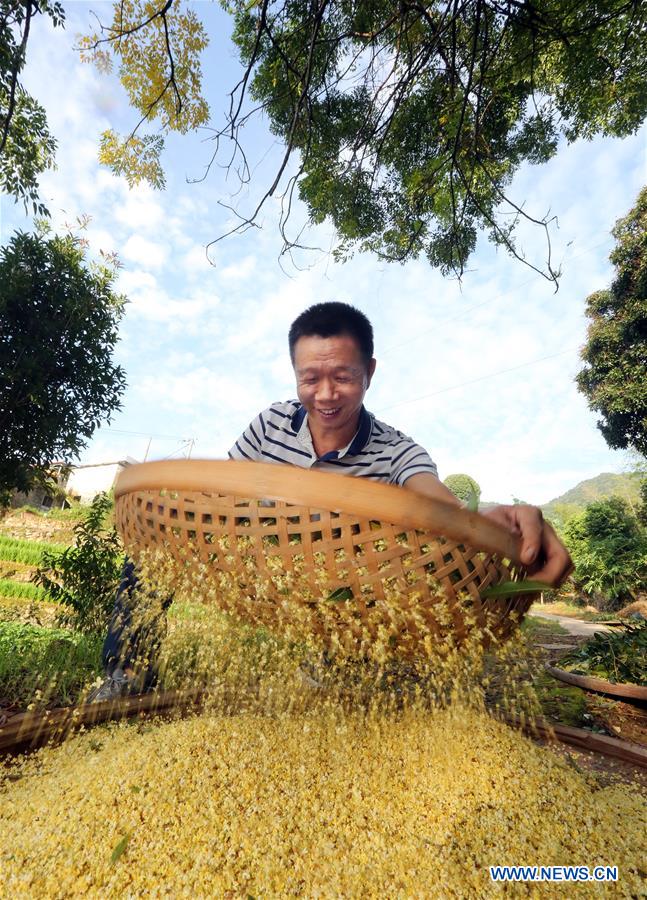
(350, 561)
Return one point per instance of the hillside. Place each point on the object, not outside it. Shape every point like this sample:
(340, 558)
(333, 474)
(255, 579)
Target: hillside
(29, 525)
(607, 484)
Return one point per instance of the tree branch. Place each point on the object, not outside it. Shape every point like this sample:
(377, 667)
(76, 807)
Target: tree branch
(30, 7)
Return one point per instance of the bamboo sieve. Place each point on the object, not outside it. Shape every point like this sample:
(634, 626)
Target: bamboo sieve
(348, 560)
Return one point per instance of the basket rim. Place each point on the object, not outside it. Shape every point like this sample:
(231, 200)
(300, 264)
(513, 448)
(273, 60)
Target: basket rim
(352, 495)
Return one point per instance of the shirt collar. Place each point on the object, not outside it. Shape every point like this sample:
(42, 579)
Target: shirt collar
(359, 441)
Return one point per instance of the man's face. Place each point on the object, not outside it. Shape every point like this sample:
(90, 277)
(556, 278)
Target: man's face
(332, 378)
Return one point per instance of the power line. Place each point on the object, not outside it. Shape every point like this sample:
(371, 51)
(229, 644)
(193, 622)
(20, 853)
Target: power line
(187, 444)
(168, 437)
(481, 378)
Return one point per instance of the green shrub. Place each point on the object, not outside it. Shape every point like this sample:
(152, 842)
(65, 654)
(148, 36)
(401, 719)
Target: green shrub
(84, 577)
(609, 549)
(642, 510)
(464, 487)
(46, 666)
(618, 656)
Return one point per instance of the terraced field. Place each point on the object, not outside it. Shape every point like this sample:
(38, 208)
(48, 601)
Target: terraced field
(39, 659)
(19, 559)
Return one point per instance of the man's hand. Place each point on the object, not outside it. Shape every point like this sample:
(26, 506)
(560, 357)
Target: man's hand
(542, 552)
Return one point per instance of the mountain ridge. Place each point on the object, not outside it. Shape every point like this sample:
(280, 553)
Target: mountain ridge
(600, 487)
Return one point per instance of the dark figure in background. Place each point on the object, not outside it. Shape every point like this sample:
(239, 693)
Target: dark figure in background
(125, 643)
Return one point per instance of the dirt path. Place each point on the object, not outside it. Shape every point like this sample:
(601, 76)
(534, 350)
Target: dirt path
(573, 626)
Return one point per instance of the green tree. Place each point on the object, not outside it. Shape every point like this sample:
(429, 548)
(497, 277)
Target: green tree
(464, 487)
(411, 119)
(642, 510)
(560, 513)
(26, 146)
(85, 576)
(609, 550)
(408, 121)
(157, 46)
(58, 329)
(613, 379)
(403, 124)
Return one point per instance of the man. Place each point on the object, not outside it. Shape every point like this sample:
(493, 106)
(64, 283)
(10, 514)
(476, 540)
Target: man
(328, 428)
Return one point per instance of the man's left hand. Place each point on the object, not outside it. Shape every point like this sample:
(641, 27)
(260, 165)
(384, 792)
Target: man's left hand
(542, 552)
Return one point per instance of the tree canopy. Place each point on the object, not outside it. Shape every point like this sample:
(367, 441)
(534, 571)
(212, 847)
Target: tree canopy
(464, 487)
(157, 47)
(609, 549)
(58, 329)
(26, 146)
(614, 378)
(402, 124)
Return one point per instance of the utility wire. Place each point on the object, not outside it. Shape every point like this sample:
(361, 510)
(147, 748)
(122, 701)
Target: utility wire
(169, 437)
(481, 378)
(187, 444)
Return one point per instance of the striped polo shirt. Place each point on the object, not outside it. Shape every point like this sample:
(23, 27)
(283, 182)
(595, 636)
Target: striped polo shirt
(281, 434)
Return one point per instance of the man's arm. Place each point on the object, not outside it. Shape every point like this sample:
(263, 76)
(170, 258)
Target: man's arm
(542, 552)
(249, 444)
(431, 486)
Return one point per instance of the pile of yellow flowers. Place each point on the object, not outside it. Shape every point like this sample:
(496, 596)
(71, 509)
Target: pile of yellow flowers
(367, 777)
(416, 804)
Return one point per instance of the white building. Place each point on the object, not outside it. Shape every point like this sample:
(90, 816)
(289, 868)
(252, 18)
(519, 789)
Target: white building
(85, 482)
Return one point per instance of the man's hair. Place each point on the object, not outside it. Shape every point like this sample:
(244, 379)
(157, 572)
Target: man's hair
(330, 320)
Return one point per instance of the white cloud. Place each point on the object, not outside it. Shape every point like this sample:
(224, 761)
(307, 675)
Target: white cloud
(194, 314)
(134, 281)
(140, 208)
(239, 271)
(101, 239)
(194, 262)
(201, 391)
(147, 254)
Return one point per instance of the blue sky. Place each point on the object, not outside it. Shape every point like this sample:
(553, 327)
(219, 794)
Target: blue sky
(479, 373)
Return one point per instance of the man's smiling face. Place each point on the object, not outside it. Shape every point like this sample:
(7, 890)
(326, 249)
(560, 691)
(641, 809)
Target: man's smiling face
(332, 378)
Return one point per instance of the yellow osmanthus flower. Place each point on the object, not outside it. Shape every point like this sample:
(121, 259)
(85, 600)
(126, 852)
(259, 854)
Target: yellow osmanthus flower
(330, 805)
(387, 778)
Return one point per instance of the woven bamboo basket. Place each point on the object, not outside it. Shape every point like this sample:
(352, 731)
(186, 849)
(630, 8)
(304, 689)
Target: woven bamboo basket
(351, 562)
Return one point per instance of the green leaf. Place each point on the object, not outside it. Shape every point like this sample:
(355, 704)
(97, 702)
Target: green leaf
(473, 501)
(119, 849)
(340, 594)
(59, 326)
(510, 588)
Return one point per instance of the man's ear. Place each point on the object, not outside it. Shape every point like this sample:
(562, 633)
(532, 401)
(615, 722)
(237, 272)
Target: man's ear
(371, 371)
